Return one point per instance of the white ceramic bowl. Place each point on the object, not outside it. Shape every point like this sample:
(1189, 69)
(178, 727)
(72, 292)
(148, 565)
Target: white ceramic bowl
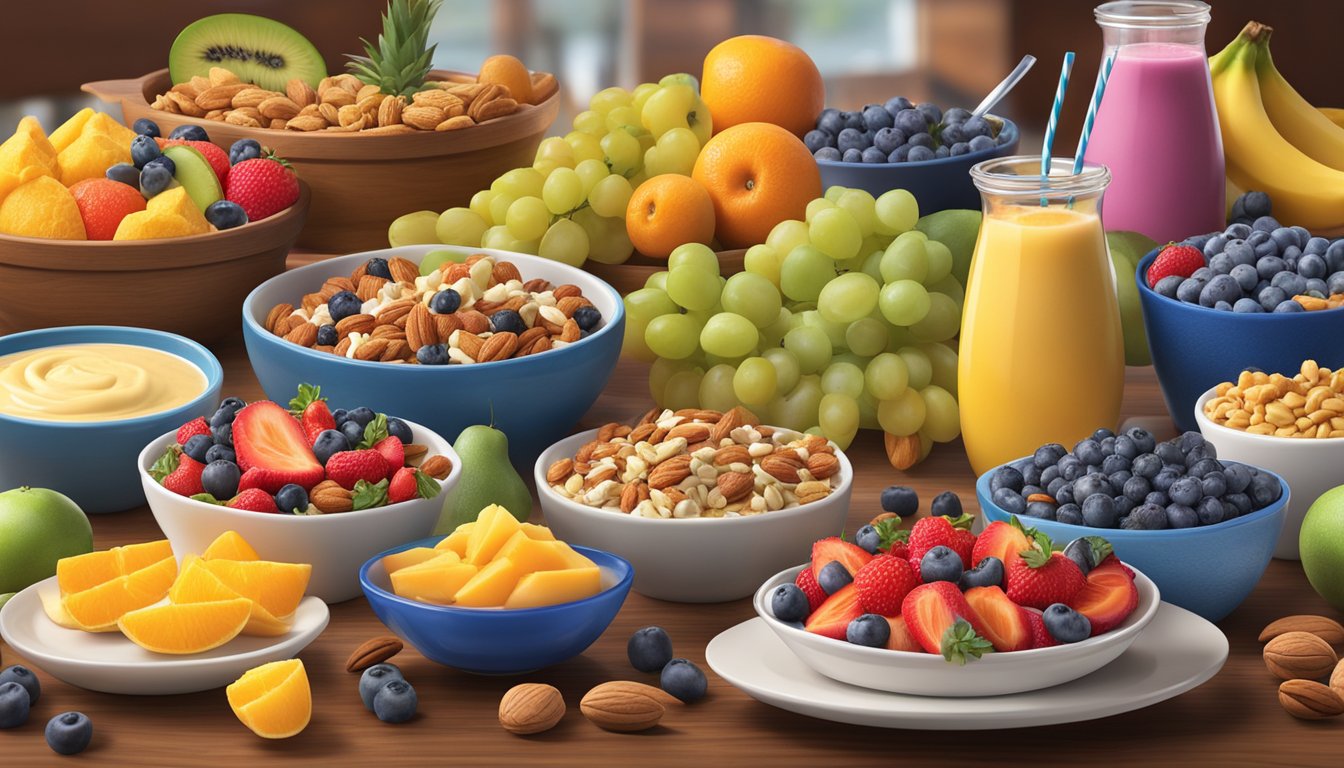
(927, 674)
(1310, 467)
(694, 560)
(336, 545)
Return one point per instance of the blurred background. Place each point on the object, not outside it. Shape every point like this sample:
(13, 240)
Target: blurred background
(948, 51)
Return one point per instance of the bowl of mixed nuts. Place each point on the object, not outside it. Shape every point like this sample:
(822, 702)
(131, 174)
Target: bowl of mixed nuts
(706, 505)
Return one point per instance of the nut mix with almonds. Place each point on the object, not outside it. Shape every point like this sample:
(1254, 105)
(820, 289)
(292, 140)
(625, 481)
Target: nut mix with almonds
(476, 311)
(1310, 404)
(697, 463)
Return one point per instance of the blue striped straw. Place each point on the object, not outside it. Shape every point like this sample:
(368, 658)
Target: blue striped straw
(1103, 75)
(1054, 113)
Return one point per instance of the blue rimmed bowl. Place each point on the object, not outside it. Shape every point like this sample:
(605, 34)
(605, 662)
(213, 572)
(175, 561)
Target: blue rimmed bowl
(43, 454)
(498, 641)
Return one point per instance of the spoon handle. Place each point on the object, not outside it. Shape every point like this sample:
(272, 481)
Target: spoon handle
(1002, 89)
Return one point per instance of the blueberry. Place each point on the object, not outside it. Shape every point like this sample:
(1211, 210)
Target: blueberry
(1238, 231)
(1070, 514)
(1257, 204)
(989, 572)
(1070, 468)
(921, 154)
(1137, 488)
(1031, 474)
(1265, 489)
(1284, 238)
(940, 564)
(1220, 288)
(220, 453)
(1288, 306)
(588, 318)
(1065, 495)
(340, 416)
(1241, 254)
(873, 155)
(1202, 466)
(816, 139)
(225, 214)
(1215, 245)
(14, 705)
(868, 539)
(1049, 475)
(851, 120)
(377, 266)
(900, 500)
(921, 140)
(1185, 491)
(1272, 297)
(1213, 483)
(1170, 452)
(432, 354)
(895, 104)
(1088, 451)
(850, 138)
(1238, 477)
(189, 133)
(1247, 306)
(1317, 287)
(683, 679)
(1302, 235)
(344, 304)
(292, 498)
(395, 702)
(1065, 624)
(833, 577)
(197, 447)
(154, 178)
(1124, 446)
(957, 115)
(1334, 255)
(946, 504)
(954, 134)
(1237, 504)
(1147, 465)
(1221, 264)
(1157, 498)
(1265, 223)
(1006, 477)
(1042, 510)
(1181, 516)
(960, 148)
(1009, 501)
(1189, 289)
(244, 149)
(1048, 454)
(69, 733)
(236, 403)
(125, 173)
(1099, 511)
(787, 603)
(1080, 552)
(1292, 283)
(976, 126)
(869, 630)
(1146, 517)
(362, 415)
(220, 479)
(852, 155)
(25, 677)
(1335, 283)
(328, 443)
(875, 117)
(1114, 463)
(1123, 506)
(650, 649)
(828, 153)
(224, 414)
(1209, 511)
(223, 434)
(400, 430)
(352, 431)
(931, 112)
(144, 149)
(1092, 485)
(373, 679)
(1117, 481)
(911, 121)
(830, 121)
(1031, 490)
(146, 127)
(326, 335)
(982, 143)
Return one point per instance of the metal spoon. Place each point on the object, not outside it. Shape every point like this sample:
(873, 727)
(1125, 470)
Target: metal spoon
(1002, 89)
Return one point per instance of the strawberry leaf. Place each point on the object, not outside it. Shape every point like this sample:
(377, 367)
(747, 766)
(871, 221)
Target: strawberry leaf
(166, 464)
(1101, 548)
(963, 521)
(368, 495)
(426, 486)
(208, 499)
(889, 532)
(374, 431)
(960, 642)
(308, 394)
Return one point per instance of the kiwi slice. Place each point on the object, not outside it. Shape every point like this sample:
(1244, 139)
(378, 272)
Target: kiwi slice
(257, 49)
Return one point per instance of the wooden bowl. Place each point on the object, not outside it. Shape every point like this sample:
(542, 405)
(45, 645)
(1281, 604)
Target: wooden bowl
(361, 183)
(193, 286)
(632, 275)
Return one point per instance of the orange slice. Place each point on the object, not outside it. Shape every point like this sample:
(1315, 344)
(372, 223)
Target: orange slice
(184, 628)
(198, 584)
(97, 609)
(277, 586)
(273, 700)
(133, 557)
(81, 572)
(230, 545)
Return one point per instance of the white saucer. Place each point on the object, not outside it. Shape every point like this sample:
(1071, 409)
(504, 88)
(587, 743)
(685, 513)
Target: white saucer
(1178, 651)
(108, 662)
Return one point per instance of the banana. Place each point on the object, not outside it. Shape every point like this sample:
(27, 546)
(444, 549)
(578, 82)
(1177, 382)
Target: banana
(1296, 119)
(1334, 114)
(1258, 157)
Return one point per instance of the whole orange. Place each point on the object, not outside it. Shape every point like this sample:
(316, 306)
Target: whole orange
(103, 203)
(667, 211)
(757, 174)
(759, 79)
(508, 71)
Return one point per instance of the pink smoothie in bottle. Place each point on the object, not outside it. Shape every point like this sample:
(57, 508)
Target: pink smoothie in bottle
(1157, 132)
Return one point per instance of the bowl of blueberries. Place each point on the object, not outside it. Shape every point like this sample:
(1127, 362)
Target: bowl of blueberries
(917, 147)
(1202, 529)
(1203, 299)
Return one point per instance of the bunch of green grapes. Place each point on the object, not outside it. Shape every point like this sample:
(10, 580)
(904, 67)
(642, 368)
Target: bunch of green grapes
(845, 320)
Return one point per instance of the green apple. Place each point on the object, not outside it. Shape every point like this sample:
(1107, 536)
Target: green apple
(677, 106)
(1127, 248)
(1321, 546)
(957, 228)
(37, 528)
(488, 477)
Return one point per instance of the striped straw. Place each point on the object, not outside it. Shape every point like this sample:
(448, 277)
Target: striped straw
(1103, 75)
(1054, 113)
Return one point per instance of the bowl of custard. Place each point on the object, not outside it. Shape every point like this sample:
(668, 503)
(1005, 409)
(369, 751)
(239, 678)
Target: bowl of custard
(78, 403)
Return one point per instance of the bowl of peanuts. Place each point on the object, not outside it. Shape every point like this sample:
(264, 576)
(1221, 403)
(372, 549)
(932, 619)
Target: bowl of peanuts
(1289, 423)
(705, 505)
(368, 157)
(447, 337)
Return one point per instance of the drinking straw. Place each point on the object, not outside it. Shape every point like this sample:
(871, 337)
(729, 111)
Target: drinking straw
(1103, 75)
(1054, 113)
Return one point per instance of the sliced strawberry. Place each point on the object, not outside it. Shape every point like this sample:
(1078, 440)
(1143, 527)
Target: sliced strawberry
(901, 639)
(265, 436)
(254, 500)
(310, 408)
(1004, 622)
(850, 555)
(1040, 636)
(1113, 560)
(1001, 540)
(393, 451)
(197, 426)
(833, 616)
(808, 583)
(883, 584)
(403, 486)
(942, 622)
(1107, 598)
(930, 532)
(186, 479)
(347, 468)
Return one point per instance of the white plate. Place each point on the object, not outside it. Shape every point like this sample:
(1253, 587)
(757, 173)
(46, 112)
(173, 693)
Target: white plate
(108, 662)
(1177, 652)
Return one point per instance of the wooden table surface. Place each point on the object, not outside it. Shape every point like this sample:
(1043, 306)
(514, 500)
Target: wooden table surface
(1232, 720)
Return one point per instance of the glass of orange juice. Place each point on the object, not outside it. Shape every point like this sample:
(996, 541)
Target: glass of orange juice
(1042, 352)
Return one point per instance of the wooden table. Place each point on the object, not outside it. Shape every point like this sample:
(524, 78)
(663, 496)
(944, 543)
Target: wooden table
(1232, 720)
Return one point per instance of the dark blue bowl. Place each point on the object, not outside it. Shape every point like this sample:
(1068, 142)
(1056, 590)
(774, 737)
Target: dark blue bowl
(1195, 348)
(1209, 569)
(496, 641)
(937, 184)
(104, 477)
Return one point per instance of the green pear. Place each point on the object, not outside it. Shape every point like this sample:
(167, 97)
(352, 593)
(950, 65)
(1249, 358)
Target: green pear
(487, 478)
(957, 228)
(1321, 546)
(37, 528)
(1127, 249)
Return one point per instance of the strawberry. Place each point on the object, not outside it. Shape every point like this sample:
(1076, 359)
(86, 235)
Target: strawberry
(266, 437)
(942, 622)
(1180, 260)
(883, 583)
(186, 479)
(216, 157)
(254, 500)
(403, 486)
(1113, 560)
(900, 549)
(901, 639)
(1001, 540)
(915, 569)
(310, 408)
(255, 477)
(197, 426)
(932, 532)
(1038, 577)
(807, 582)
(262, 186)
(349, 467)
(1107, 597)
(850, 555)
(832, 617)
(1004, 622)
(1040, 636)
(393, 452)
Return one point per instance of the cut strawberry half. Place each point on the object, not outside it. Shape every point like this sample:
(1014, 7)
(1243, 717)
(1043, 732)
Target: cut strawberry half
(1001, 540)
(942, 622)
(850, 555)
(1108, 597)
(901, 639)
(267, 438)
(1040, 636)
(833, 616)
(1003, 622)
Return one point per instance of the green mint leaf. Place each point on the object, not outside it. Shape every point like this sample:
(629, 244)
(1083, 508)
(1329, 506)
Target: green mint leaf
(374, 431)
(166, 464)
(208, 499)
(426, 486)
(308, 394)
(368, 495)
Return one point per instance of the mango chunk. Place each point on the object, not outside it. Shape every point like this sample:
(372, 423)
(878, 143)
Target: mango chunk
(554, 587)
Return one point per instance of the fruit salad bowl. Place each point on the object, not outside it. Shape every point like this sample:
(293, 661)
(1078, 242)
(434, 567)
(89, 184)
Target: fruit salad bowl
(335, 544)
(361, 183)
(498, 641)
(927, 674)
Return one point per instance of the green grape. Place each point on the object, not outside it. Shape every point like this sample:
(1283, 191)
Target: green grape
(499, 207)
(657, 280)
(950, 287)
(838, 417)
(562, 191)
(692, 288)
(673, 336)
(868, 411)
(943, 419)
(886, 376)
(835, 233)
(519, 182)
(866, 336)
(566, 242)
(804, 272)
(817, 206)
(622, 151)
(610, 196)
(755, 381)
(753, 297)
(925, 445)
(642, 93)
(940, 262)
(898, 337)
(608, 242)
(662, 370)
(557, 150)
(590, 172)
(903, 302)
(874, 243)
(772, 335)
(695, 255)
(480, 205)
(941, 323)
(786, 368)
(852, 359)
(716, 388)
(906, 259)
(413, 229)
(591, 123)
(527, 218)
(584, 147)
(848, 297)
(437, 258)
(498, 237)
(787, 235)
(608, 99)
(727, 334)
(674, 152)
(683, 389)
(902, 415)
(872, 265)
(810, 346)
(897, 211)
(643, 305)
(764, 261)
(834, 192)
(860, 204)
(459, 226)
(835, 332)
(798, 408)
(524, 246)
(943, 360)
(632, 342)
(842, 378)
(620, 117)
(918, 365)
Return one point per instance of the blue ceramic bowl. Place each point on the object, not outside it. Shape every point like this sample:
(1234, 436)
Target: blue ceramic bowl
(1195, 348)
(495, 641)
(937, 184)
(535, 400)
(1207, 569)
(39, 453)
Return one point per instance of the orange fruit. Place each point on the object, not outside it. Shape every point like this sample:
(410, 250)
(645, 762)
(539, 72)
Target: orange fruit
(274, 700)
(278, 587)
(758, 79)
(229, 545)
(184, 628)
(508, 71)
(757, 174)
(667, 211)
(103, 203)
(97, 609)
(196, 584)
(81, 572)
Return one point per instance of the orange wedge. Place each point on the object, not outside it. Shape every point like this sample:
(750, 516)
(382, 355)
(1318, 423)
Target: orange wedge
(183, 628)
(197, 584)
(230, 545)
(278, 587)
(273, 700)
(133, 557)
(55, 610)
(97, 609)
(76, 574)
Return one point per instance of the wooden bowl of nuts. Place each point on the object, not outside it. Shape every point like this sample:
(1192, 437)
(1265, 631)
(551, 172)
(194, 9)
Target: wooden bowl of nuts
(373, 157)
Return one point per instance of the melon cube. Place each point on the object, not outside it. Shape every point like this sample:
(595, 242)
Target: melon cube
(554, 587)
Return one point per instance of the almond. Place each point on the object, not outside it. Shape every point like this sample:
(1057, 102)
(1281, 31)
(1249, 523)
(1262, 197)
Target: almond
(469, 343)
(372, 349)
(725, 426)
(1299, 655)
(732, 454)
(1309, 700)
(670, 472)
(531, 708)
(374, 651)
(540, 345)
(1337, 678)
(300, 92)
(455, 124)
(303, 334)
(1328, 630)
(566, 290)
(360, 323)
(736, 486)
(616, 708)
(783, 466)
(822, 465)
(560, 471)
(629, 497)
(414, 451)
(220, 96)
(812, 490)
(279, 107)
(329, 497)
(902, 452)
(446, 326)
(250, 97)
(391, 313)
(403, 270)
(423, 117)
(504, 271)
(745, 417)
(473, 321)
(369, 286)
(278, 312)
(816, 444)
(390, 109)
(570, 304)
(421, 328)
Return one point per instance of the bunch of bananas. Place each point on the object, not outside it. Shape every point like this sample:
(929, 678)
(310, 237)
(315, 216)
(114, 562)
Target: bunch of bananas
(1275, 141)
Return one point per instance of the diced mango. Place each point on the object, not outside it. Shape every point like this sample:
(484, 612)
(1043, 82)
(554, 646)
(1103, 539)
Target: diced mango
(42, 207)
(491, 586)
(532, 555)
(28, 154)
(89, 157)
(573, 559)
(457, 540)
(435, 581)
(71, 129)
(398, 560)
(538, 532)
(555, 587)
(494, 527)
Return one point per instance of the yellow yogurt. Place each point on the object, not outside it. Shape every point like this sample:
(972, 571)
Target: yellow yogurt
(95, 382)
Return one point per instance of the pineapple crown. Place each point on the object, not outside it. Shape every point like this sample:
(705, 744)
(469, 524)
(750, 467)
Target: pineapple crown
(402, 58)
